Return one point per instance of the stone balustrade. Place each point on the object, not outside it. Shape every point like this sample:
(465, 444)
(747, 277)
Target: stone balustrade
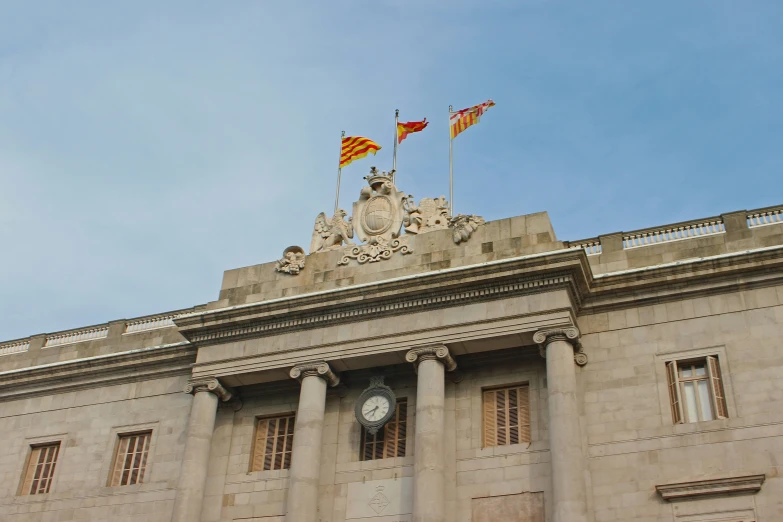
(14, 347)
(657, 236)
(762, 217)
(592, 247)
(76, 336)
(150, 323)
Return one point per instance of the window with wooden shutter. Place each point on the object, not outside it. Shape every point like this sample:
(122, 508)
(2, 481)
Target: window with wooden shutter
(391, 440)
(40, 469)
(130, 461)
(696, 390)
(506, 416)
(272, 444)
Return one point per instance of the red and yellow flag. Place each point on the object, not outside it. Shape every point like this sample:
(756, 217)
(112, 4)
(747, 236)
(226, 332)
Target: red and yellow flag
(403, 129)
(356, 147)
(461, 120)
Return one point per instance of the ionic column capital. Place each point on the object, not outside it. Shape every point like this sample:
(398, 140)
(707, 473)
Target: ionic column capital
(315, 369)
(208, 384)
(569, 334)
(436, 352)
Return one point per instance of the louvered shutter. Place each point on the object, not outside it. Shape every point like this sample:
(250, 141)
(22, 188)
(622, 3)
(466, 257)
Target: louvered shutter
(272, 444)
(717, 387)
(506, 416)
(674, 391)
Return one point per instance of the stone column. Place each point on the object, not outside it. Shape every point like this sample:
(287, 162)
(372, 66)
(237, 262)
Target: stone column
(429, 480)
(565, 441)
(193, 473)
(308, 433)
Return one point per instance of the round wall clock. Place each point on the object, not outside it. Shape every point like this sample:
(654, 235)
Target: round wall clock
(375, 406)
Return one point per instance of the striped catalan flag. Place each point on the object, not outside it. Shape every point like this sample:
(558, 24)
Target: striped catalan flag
(403, 129)
(356, 147)
(461, 120)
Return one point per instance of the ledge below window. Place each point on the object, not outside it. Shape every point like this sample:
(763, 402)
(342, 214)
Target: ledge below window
(701, 488)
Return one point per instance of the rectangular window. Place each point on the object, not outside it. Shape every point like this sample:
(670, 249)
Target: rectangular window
(272, 444)
(506, 416)
(40, 469)
(695, 390)
(391, 440)
(131, 459)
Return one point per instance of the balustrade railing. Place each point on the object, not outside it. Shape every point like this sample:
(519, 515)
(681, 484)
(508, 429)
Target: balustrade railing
(76, 336)
(14, 347)
(591, 247)
(759, 218)
(150, 323)
(673, 233)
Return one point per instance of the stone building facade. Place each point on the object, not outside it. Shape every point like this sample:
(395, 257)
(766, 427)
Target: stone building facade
(628, 377)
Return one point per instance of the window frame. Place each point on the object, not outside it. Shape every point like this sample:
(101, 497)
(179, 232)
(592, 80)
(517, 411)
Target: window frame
(396, 419)
(32, 447)
(144, 469)
(484, 420)
(256, 422)
(722, 365)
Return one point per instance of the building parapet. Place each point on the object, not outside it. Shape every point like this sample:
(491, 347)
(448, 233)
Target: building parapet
(592, 246)
(14, 347)
(152, 322)
(76, 336)
(765, 216)
(678, 232)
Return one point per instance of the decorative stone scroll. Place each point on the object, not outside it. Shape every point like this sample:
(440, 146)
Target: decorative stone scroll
(208, 384)
(569, 334)
(464, 226)
(376, 249)
(292, 262)
(436, 352)
(316, 369)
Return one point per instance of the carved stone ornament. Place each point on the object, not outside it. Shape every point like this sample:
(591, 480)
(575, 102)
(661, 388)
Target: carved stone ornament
(376, 249)
(316, 369)
(379, 214)
(292, 262)
(209, 384)
(569, 334)
(745, 484)
(430, 214)
(376, 390)
(464, 225)
(437, 352)
(330, 233)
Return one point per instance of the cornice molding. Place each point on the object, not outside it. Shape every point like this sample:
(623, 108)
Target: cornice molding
(210, 385)
(315, 369)
(436, 352)
(102, 370)
(719, 486)
(421, 294)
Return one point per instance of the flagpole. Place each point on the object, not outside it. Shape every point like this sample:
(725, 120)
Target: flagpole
(394, 161)
(451, 168)
(339, 171)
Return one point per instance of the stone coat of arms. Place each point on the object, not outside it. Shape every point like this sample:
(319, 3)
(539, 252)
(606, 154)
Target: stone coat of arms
(377, 220)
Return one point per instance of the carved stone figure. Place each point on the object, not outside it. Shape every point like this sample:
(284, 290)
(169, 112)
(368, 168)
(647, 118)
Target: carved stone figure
(430, 214)
(464, 225)
(330, 233)
(293, 260)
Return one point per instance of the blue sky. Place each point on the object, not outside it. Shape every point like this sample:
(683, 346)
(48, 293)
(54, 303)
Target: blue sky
(145, 148)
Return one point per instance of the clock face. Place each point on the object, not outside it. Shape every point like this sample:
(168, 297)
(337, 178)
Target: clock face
(375, 408)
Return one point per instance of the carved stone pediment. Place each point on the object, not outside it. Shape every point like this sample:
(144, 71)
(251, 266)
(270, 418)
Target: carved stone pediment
(718, 486)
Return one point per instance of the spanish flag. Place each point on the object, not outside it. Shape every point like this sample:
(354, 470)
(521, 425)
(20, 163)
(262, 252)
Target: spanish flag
(461, 120)
(356, 147)
(403, 129)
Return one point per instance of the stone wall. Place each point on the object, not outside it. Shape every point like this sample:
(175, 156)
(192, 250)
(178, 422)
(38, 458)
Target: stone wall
(87, 423)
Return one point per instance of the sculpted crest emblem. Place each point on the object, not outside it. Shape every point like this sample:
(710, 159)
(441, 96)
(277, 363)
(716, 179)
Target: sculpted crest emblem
(378, 217)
